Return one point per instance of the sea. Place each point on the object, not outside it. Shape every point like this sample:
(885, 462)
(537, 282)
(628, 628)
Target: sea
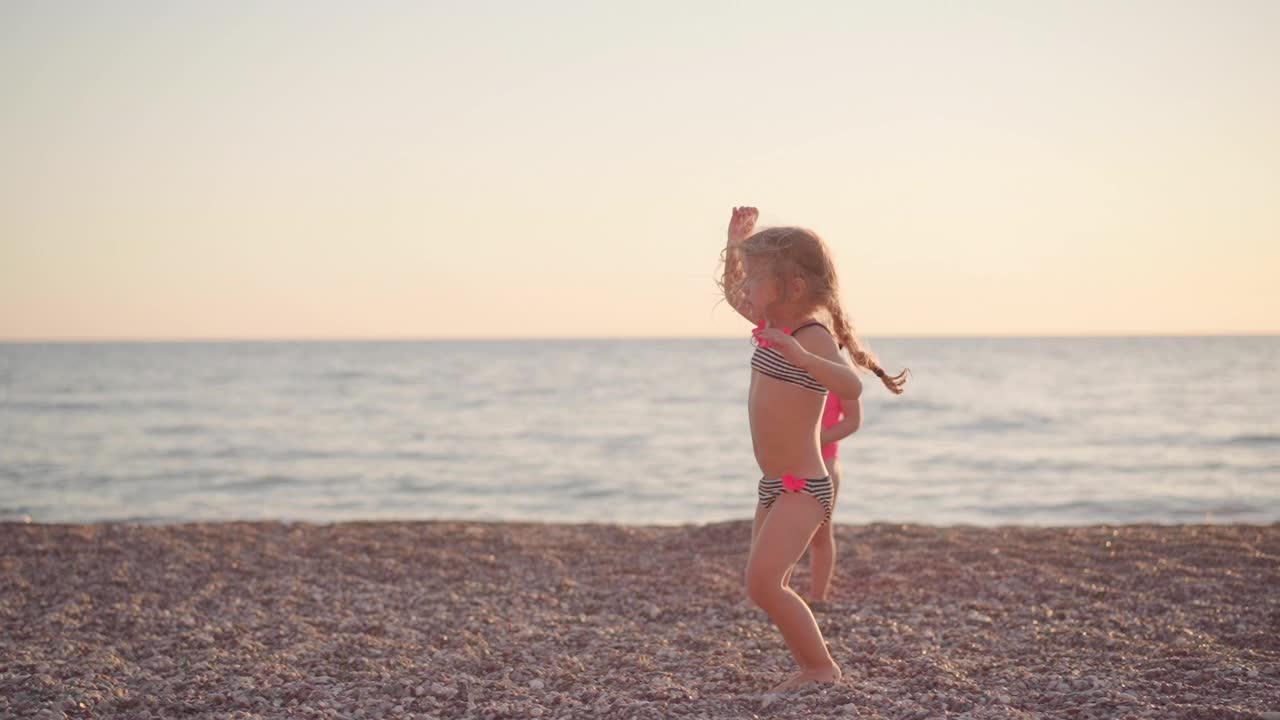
(990, 431)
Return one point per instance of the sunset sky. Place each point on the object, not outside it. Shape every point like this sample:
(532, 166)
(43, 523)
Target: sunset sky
(566, 169)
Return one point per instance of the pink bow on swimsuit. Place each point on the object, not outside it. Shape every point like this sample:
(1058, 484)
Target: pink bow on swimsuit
(793, 483)
(755, 335)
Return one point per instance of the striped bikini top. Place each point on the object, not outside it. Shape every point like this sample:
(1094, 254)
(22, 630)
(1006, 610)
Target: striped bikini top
(771, 362)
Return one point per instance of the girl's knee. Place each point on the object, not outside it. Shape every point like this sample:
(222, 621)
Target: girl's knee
(760, 585)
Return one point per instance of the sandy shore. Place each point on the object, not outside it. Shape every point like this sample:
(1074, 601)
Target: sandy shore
(523, 620)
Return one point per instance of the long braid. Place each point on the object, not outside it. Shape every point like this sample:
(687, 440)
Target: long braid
(860, 356)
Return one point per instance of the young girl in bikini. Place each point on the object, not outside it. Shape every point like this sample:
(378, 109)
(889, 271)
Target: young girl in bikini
(822, 548)
(778, 279)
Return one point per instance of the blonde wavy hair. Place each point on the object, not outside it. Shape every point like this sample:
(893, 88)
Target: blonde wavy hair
(794, 252)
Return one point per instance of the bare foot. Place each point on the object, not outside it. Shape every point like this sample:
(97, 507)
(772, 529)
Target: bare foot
(830, 675)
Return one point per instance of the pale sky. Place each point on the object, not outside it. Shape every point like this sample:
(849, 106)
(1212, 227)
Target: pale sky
(483, 169)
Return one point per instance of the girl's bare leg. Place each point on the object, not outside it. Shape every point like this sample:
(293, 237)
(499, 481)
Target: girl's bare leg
(761, 513)
(780, 542)
(822, 550)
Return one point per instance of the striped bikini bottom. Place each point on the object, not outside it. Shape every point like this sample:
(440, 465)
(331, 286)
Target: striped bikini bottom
(821, 489)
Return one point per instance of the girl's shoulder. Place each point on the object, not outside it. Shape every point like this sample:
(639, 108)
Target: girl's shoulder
(815, 323)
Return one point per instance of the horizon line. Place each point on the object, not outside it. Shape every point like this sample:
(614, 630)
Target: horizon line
(563, 338)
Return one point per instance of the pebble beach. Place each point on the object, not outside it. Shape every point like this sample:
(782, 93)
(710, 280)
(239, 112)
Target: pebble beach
(528, 620)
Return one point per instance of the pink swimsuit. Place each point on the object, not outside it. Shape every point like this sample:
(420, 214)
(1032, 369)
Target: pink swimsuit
(831, 415)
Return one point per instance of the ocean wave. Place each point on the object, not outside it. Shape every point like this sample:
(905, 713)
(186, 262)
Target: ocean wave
(898, 405)
(1263, 440)
(1003, 423)
(343, 375)
(259, 482)
(57, 406)
(176, 429)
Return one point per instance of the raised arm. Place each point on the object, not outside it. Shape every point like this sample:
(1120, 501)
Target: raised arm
(741, 225)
